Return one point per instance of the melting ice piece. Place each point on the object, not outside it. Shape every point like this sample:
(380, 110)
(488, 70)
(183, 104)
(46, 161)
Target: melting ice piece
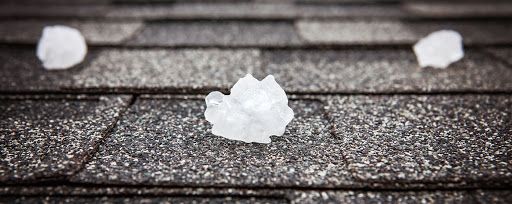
(61, 47)
(254, 110)
(439, 49)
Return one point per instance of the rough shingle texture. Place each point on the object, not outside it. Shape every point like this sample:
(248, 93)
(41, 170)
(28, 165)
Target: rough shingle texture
(52, 10)
(51, 137)
(503, 54)
(382, 197)
(22, 72)
(371, 126)
(161, 69)
(381, 71)
(170, 140)
(466, 10)
(218, 33)
(208, 10)
(400, 32)
(461, 140)
(253, 10)
(95, 32)
(142, 199)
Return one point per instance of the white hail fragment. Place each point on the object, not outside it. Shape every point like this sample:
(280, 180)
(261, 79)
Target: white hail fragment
(61, 47)
(439, 49)
(253, 112)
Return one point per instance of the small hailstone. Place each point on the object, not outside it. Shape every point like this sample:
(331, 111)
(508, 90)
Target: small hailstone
(61, 47)
(439, 49)
(253, 112)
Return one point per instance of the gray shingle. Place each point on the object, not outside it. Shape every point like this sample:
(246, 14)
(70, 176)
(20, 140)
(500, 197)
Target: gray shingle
(95, 32)
(51, 136)
(383, 197)
(187, 10)
(206, 11)
(253, 11)
(400, 32)
(201, 70)
(21, 71)
(225, 33)
(458, 9)
(168, 142)
(159, 69)
(434, 140)
(52, 10)
(268, 195)
(503, 53)
(381, 70)
(55, 2)
(496, 196)
(140, 199)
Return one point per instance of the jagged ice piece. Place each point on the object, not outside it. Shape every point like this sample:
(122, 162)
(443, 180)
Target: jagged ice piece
(439, 49)
(253, 112)
(61, 47)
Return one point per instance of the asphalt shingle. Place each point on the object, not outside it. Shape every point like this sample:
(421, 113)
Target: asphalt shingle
(21, 71)
(503, 53)
(452, 9)
(52, 11)
(162, 69)
(254, 11)
(217, 33)
(168, 142)
(376, 129)
(433, 140)
(369, 32)
(381, 71)
(140, 199)
(497, 196)
(383, 197)
(95, 32)
(45, 137)
(187, 10)
(253, 195)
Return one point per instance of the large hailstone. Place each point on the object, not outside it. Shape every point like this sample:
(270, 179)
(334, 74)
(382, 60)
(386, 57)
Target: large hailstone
(61, 47)
(439, 49)
(254, 110)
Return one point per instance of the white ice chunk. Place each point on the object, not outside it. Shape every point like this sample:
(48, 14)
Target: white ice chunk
(253, 112)
(439, 49)
(61, 47)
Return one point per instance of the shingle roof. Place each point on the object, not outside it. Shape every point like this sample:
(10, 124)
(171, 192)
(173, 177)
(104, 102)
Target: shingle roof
(370, 125)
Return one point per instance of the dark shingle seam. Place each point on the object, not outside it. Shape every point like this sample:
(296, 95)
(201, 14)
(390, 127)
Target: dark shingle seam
(107, 132)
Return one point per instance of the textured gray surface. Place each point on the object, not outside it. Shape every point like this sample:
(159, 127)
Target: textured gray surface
(223, 33)
(460, 140)
(502, 197)
(263, 10)
(333, 71)
(263, 194)
(50, 137)
(383, 70)
(21, 71)
(504, 54)
(158, 69)
(383, 197)
(470, 9)
(95, 32)
(400, 32)
(139, 199)
(168, 142)
(187, 10)
(52, 10)
(362, 134)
